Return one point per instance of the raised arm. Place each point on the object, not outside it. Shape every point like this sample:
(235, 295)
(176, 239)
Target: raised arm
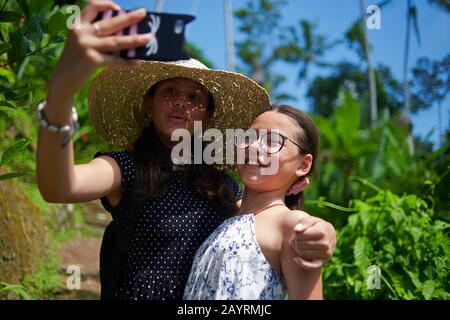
(59, 179)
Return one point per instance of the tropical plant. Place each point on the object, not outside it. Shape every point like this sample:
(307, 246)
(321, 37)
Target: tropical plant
(396, 238)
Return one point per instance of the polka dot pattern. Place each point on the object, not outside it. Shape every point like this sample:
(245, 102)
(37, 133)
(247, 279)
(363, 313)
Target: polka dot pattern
(169, 230)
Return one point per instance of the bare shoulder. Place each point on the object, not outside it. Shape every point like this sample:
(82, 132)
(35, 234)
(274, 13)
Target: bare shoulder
(291, 217)
(105, 160)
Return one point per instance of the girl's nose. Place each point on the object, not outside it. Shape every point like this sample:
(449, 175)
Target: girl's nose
(180, 101)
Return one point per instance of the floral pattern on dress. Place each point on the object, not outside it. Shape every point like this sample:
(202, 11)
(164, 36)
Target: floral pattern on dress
(230, 265)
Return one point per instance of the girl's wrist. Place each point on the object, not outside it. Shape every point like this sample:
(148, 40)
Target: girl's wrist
(57, 95)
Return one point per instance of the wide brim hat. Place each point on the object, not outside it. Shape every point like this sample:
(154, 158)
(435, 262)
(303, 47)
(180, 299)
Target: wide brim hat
(117, 95)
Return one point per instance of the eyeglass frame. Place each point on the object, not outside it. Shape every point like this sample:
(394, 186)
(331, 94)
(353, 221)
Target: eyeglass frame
(284, 138)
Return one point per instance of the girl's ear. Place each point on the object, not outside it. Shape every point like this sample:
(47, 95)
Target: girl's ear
(304, 166)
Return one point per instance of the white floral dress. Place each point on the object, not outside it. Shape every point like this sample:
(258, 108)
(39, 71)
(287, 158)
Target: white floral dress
(231, 265)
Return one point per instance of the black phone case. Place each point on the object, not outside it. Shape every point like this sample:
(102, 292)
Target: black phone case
(167, 43)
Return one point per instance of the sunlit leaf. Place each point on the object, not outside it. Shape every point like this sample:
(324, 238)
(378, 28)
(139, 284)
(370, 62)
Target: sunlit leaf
(15, 175)
(361, 252)
(428, 289)
(14, 150)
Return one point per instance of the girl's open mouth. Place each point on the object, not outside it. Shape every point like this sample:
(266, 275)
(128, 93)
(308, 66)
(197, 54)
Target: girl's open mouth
(177, 118)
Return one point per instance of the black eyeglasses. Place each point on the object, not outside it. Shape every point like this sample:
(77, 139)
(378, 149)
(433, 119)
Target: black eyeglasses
(270, 142)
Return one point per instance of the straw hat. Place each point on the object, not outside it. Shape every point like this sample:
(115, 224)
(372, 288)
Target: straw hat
(116, 97)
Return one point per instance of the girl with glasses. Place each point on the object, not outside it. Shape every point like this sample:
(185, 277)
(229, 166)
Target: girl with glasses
(249, 255)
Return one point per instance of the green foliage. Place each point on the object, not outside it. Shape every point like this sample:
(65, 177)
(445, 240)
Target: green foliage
(44, 283)
(399, 235)
(37, 286)
(405, 236)
(324, 91)
(344, 146)
(31, 39)
(16, 290)
(14, 150)
(383, 154)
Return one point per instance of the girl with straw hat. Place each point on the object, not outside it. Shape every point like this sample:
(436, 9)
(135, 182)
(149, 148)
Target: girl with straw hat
(136, 106)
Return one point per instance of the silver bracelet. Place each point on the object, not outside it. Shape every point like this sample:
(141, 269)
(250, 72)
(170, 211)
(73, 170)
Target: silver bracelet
(68, 128)
(64, 128)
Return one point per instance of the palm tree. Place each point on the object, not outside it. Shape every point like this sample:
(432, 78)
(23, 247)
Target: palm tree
(305, 47)
(370, 69)
(159, 5)
(411, 17)
(229, 34)
(356, 36)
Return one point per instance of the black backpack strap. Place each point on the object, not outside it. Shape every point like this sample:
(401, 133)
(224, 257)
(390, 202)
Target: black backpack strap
(128, 223)
(115, 244)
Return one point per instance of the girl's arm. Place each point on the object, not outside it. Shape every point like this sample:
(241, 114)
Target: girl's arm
(301, 283)
(58, 178)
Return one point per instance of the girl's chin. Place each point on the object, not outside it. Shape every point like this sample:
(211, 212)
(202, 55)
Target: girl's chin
(251, 175)
(169, 128)
(174, 126)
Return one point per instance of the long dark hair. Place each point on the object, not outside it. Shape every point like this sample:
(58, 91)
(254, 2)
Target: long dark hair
(308, 139)
(155, 166)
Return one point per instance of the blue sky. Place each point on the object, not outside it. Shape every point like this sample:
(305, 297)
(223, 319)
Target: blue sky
(332, 17)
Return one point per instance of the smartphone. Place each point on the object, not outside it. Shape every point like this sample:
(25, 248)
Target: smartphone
(168, 41)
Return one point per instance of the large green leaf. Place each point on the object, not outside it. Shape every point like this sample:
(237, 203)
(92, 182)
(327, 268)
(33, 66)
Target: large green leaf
(40, 7)
(14, 150)
(327, 131)
(57, 24)
(17, 53)
(428, 288)
(15, 175)
(361, 252)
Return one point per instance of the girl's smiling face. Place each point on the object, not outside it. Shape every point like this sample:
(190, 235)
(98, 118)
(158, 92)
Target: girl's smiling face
(292, 163)
(175, 104)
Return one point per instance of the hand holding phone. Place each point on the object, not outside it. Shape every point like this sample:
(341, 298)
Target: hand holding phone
(167, 35)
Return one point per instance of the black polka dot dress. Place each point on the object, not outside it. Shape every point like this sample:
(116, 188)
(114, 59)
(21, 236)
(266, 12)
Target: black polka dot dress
(169, 230)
